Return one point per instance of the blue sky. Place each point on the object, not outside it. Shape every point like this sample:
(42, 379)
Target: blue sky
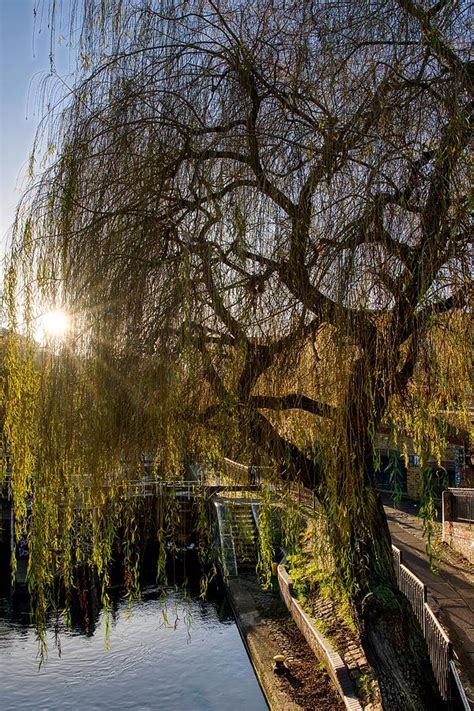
(24, 61)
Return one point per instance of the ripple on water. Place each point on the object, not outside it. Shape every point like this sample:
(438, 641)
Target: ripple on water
(182, 655)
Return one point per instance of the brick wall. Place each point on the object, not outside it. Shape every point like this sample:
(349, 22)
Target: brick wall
(413, 482)
(458, 534)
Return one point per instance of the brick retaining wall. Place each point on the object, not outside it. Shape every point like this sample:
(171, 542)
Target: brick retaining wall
(458, 534)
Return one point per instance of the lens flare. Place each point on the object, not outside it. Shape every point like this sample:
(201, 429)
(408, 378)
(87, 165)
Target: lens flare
(55, 324)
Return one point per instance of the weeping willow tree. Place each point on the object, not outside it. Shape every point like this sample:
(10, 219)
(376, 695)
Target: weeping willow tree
(256, 214)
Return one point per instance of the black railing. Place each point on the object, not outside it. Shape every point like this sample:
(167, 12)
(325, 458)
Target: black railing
(246, 474)
(462, 504)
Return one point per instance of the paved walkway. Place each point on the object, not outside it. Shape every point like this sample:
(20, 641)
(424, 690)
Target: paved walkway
(450, 591)
(410, 507)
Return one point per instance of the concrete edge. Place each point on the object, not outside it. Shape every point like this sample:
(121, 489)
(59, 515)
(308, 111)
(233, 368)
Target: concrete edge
(248, 623)
(321, 647)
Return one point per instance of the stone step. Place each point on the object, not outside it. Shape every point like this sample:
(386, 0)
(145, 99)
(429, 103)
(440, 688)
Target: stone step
(239, 548)
(248, 534)
(249, 550)
(240, 524)
(250, 543)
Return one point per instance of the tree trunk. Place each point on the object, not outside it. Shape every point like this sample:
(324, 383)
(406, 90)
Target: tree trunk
(395, 648)
(391, 636)
(362, 549)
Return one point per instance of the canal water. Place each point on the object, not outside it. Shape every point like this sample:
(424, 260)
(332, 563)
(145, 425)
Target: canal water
(184, 654)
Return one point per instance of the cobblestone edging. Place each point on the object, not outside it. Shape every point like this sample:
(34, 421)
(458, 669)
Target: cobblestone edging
(349, 648)
(319, 644)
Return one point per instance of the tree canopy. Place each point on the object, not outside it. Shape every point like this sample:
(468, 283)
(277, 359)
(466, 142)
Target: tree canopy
(257, 215)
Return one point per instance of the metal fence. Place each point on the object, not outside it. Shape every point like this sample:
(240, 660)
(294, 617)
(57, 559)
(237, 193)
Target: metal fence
(256, 476)
(246, 474)
(236, 470)
(439, 645)
(462, 504)
(414, 590)
(440, 651)
(144, 488)
(397, 562)
(300, 494)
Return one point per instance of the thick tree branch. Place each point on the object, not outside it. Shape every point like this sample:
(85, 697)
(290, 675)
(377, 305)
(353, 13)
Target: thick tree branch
(294, 466)
(291, 401)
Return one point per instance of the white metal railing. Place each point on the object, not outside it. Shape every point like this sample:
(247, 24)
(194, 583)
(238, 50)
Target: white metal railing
(439, 645)
(226, 538)
(440, 650)
(414, 590)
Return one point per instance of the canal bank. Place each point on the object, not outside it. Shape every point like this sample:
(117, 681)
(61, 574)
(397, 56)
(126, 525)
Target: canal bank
(267, 630)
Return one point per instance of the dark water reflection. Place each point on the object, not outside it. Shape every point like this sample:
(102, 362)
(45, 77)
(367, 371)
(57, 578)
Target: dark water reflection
(182, 655)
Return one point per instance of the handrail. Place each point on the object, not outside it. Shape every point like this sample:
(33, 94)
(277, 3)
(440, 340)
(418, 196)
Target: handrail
(440, 648)
(415, 590)
(459, 690)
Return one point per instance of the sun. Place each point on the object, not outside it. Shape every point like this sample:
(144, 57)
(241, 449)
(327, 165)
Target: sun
(55, 324)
